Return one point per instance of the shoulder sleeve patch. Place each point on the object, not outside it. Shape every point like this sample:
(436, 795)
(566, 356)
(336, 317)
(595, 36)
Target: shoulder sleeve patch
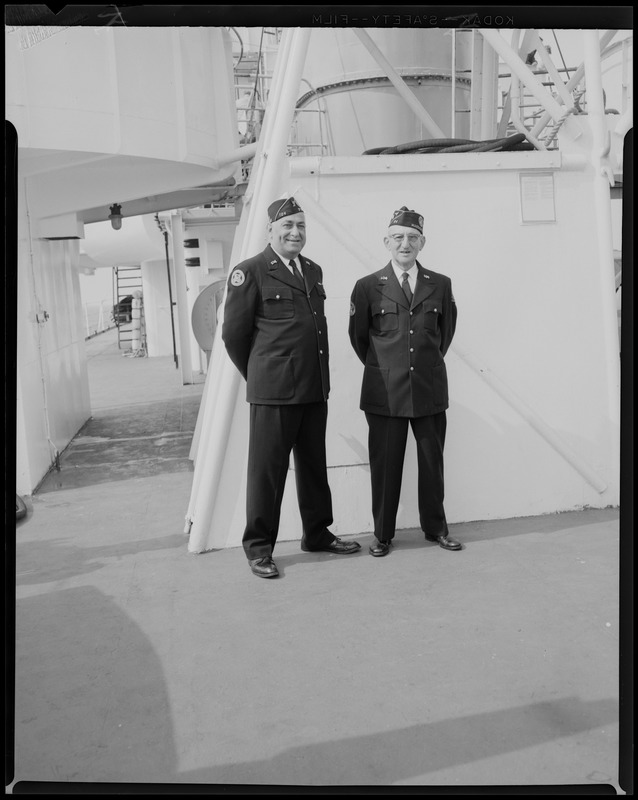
(237, 278)
(352, 309)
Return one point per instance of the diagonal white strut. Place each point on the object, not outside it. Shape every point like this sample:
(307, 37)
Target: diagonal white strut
(533, 84)
(399, 84)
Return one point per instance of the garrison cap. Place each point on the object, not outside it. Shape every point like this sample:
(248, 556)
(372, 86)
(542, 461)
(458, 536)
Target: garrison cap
(283, 208)
(407, 218)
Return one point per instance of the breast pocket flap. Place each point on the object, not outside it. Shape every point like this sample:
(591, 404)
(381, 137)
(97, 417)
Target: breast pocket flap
(384, 307)
(276, 293)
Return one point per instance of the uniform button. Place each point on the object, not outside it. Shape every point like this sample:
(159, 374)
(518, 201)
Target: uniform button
(321, 352)
(411, 312)
(411, 369)
(412, 349)
(319, 331)
(276, 297)
(383, 310)
(436, 309)
(411, 331)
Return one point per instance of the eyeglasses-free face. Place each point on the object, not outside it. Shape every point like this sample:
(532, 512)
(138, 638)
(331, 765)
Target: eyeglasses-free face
(288, 234)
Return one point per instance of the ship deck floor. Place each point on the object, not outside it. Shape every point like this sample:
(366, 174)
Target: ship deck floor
(137, 663)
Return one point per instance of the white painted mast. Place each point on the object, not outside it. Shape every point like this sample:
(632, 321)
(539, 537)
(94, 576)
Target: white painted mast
(267, 178)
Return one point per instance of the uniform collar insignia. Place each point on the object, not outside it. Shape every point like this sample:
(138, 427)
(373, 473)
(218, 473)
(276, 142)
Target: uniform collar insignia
(384, 278)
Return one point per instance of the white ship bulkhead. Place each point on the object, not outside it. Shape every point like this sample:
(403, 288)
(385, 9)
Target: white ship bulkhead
(149, 121)
(533, 424)
(103, 115)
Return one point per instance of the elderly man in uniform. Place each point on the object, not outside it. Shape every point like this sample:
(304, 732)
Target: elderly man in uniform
(275, 333)
(402, 320)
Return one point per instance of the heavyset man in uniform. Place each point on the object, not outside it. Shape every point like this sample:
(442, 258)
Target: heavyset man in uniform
(275, 332)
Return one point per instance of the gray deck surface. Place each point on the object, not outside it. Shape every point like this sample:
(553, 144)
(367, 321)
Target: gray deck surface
(137, 662)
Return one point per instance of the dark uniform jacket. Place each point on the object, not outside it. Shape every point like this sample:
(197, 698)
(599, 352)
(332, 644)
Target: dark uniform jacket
(275, 332)
(402, 346)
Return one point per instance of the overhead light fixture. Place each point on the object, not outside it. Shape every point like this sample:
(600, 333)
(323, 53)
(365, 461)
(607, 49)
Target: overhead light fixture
(116, 216)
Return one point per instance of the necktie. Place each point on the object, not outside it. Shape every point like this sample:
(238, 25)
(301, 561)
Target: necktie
(296, 273)
(406, 286)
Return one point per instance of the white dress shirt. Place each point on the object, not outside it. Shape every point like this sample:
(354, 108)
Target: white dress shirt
(412, 273)
(287, 261)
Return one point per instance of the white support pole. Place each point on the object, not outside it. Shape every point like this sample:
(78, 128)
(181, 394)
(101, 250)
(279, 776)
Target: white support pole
(453, 97)
(183, 317)
(269, 173)
(270, 117)
(238, 154)
(218, 354)
(627, 79)
(626, 118)
(219, 372)
(476, 85)
(399, 84)
(602, 179)
(489, 93)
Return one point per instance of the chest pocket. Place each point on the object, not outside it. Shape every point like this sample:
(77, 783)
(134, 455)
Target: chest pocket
(385, 316)
(277, 302)
(431, 312)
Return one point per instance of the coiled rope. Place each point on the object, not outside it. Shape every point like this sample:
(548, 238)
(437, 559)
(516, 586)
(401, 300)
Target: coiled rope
(512, 143)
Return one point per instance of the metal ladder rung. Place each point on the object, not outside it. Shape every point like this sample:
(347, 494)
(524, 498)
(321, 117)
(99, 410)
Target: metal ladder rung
(127, 279)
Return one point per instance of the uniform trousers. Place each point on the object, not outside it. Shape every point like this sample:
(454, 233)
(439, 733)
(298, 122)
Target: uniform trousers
(387, 438)
(275, 431)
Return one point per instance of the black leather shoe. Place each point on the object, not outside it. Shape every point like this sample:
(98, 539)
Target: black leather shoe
(379, 548)
(445, 542)
(339, 547)
(263, 567)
